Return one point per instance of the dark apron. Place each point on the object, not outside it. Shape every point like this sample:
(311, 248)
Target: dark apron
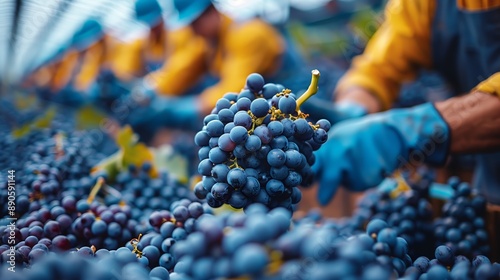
(466, 51)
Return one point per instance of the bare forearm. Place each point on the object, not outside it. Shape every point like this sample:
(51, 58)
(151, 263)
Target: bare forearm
(474, 122)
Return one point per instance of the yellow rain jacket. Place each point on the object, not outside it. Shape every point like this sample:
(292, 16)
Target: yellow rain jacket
(402, 46)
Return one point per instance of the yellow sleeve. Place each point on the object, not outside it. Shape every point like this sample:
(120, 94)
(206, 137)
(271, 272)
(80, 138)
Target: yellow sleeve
(185, 63)
(92, 60)
(64, 71)
(397, 50)
(127, 62)
(490, 85)
(251, 47)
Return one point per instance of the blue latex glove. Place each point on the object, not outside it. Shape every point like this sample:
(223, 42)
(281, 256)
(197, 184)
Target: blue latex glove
(318, 108)
(149, 112)
(179, 112)
(360, 153)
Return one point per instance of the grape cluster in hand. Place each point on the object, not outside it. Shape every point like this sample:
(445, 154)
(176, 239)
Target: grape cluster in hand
(257, 147)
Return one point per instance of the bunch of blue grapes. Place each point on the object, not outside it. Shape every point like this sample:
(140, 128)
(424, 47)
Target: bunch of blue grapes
(313, 250)
(155, 248)
(87, 263)
(256, 146)
(408, 212)
(58, 164)
(462, 227)
(233, 244)
(447, 265)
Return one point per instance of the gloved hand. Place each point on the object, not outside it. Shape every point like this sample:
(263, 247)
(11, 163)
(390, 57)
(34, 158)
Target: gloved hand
(360, 153)
(318, 108)
(110, 87)
(153, 112)
(178, 112)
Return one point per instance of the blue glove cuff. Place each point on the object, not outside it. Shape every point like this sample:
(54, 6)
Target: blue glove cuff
(424, 131)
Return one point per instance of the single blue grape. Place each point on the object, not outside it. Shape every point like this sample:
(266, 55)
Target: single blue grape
(255, 82)
(205, 167)
(279, 173)
(240, 151)
(276, 158)
(236, 177)
(324, 124)
(159, 272)
(221, 191)
(238, 200)
(293, 158)
(275, 127)
(388, 236)
(320, 136)
(251, 187)
(253, 143)
(242, 119)
(203, 153)
(252, 161)
(222, 103)
(179, 234)
(99, 227)
(269, 90)
(167, 261)
(263, 133)
(288, 127)
(293, 179)
(275, 188)
(287, 105)
(217, 155)
(220, 172)
(438, 272)
(259, 107)
(243, 104)
(215, 128)
(444, 255)
(180, 213)
(166, 229)
(250, 259)
(226, 116)
(225, 143)
(280, 142)
(208, 182)
(238, 134)
(209, 118)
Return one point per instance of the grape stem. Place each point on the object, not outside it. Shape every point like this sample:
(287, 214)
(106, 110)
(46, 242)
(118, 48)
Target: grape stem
(311, 90)
(402, 185)
(134, 242)
(95, 190)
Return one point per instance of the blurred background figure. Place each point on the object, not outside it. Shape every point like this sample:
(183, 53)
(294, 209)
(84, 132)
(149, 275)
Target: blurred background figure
(68, 78)
(133, 58)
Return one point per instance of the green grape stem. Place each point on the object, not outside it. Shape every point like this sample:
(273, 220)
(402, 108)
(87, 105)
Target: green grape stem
(311, 90)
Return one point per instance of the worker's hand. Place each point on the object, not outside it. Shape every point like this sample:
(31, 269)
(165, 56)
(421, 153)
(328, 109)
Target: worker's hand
(318, 108)
(360, 153)
(178, 112)
(110, 87)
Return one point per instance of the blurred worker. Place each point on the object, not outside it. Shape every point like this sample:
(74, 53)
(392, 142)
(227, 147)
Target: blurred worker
(130, 60)
(230, 52)
(144, 54)
(458, 39)
(69, 79)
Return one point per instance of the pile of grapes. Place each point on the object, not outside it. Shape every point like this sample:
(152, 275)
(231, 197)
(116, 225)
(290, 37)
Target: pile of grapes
(71, 224)
(257, 146)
